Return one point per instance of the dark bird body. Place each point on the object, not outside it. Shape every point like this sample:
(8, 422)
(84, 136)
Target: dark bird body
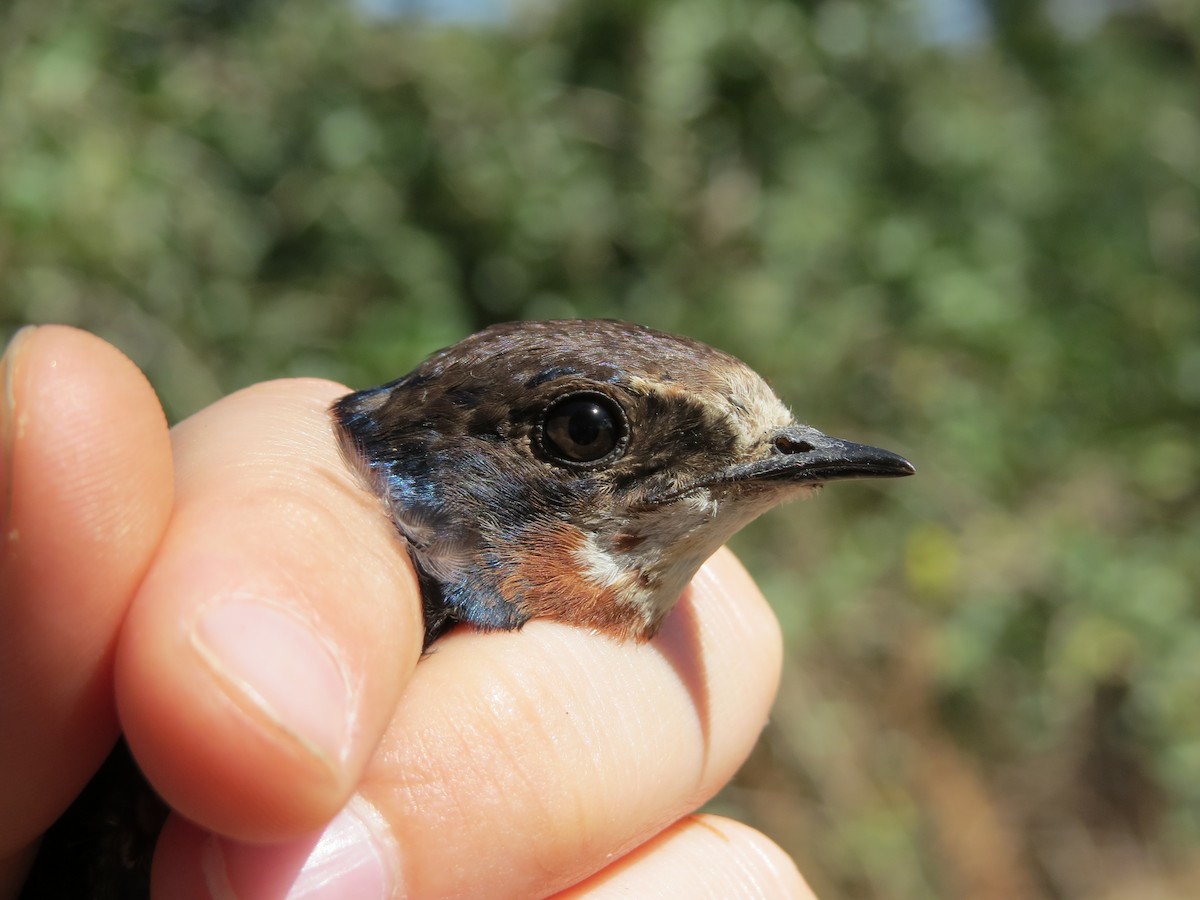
(577, 470)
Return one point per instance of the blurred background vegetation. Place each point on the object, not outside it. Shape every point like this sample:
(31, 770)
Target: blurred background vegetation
(964, 229)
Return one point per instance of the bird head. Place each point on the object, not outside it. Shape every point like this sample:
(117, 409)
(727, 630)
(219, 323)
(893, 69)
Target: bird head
(580, 470)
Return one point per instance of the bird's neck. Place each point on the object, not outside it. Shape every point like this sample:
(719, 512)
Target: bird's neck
(620, 577)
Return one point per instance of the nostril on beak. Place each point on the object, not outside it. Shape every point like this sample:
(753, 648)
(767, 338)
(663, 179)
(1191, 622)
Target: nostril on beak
(785, 444)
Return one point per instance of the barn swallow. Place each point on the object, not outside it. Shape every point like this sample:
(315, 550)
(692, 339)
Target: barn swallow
(576, 470)
(580, 470)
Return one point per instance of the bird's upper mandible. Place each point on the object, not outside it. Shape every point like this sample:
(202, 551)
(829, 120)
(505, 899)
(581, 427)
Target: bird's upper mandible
(580, 470)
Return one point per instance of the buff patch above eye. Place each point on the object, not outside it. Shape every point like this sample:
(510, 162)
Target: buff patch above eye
(596, 467)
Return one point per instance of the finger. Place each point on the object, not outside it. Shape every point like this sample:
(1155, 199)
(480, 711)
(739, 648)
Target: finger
(264, 653)
(520, 763)
(86, 481)
(353, 856)
(699, 857)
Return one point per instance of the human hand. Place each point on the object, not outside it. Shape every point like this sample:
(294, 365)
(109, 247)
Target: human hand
(259, 631)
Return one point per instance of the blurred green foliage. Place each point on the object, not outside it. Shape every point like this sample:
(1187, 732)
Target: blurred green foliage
(981, 253)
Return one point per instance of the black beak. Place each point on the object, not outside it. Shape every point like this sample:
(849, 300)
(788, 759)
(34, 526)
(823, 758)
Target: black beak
(803, 455)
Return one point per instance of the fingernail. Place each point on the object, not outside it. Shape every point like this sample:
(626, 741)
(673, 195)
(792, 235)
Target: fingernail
(8, 424)
(350, 858)
(279, 664)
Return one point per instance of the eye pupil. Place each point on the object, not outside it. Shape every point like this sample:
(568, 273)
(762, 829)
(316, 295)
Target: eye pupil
(587, 424)
(583, 429)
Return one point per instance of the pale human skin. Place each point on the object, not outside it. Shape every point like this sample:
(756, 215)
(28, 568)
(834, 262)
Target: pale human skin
(239, 601)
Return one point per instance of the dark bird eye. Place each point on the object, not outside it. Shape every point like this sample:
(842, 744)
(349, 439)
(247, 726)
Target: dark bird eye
(583, 429)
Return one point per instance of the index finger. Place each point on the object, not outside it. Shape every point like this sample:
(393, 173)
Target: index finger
(267, 647)
(85, 494)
